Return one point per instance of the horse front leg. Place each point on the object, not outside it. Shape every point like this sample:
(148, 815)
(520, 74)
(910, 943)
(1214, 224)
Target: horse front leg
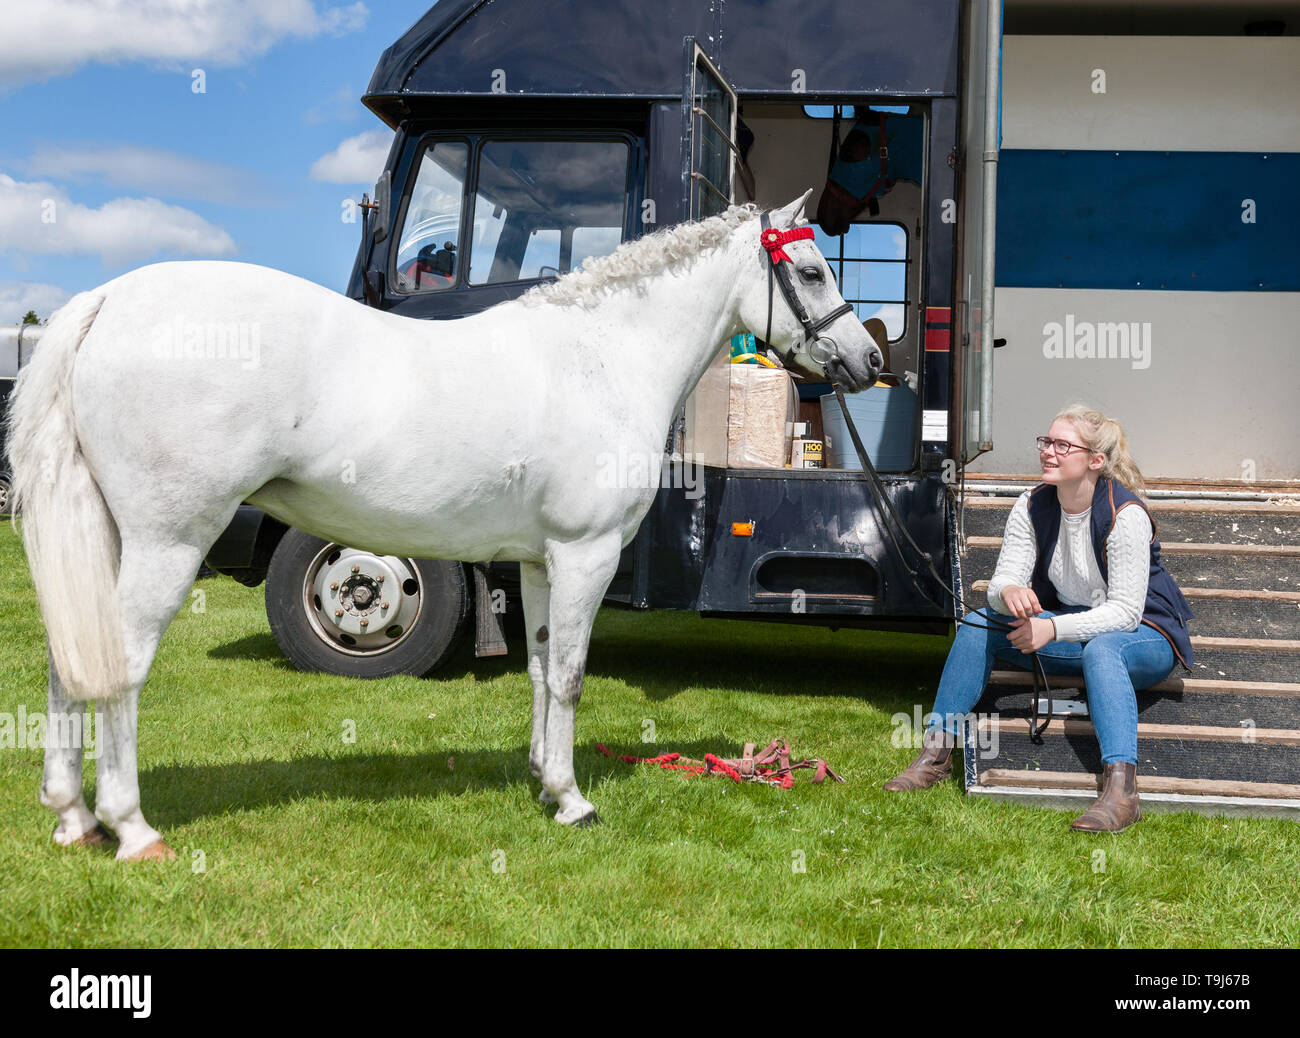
(61, 792)
(579, 575)
(536, 592)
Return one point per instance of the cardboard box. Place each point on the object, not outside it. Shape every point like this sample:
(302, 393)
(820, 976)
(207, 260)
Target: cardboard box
(741, 416)
(764, 405)
(705, 439)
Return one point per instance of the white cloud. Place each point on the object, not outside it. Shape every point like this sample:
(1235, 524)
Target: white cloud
(17, 297)
(55, 37)
(358, 160)
(149, 170)
(38, 217)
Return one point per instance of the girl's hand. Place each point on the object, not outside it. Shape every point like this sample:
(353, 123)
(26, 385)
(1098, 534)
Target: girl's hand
(1021, 601)
(1031, 635)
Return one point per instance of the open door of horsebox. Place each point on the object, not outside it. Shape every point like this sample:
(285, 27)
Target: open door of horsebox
(710, 158)
(970, 419)
(709, 150)
(659, 568)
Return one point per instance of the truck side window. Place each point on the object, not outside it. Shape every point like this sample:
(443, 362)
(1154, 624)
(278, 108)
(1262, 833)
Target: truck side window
(428, 254)
(541, 207)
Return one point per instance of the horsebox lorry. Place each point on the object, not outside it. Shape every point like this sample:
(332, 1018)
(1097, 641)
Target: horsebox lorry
(531, 135)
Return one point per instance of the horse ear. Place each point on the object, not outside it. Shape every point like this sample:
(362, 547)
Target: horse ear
(793, 214)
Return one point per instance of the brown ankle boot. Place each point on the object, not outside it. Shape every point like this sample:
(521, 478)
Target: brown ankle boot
(1117, 807)
(933, 764)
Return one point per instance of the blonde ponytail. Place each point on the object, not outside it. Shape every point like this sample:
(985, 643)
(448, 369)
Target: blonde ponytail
(1106, 436)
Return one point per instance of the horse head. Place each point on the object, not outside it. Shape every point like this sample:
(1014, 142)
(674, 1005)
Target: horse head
(794, 306)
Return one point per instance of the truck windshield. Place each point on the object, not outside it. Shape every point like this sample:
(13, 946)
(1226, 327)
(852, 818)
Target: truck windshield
(541, 208)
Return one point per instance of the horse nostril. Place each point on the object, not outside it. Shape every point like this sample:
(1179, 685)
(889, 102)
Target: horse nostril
(877, 360)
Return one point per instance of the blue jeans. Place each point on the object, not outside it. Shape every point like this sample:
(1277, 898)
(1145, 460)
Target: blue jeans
(1112, 665)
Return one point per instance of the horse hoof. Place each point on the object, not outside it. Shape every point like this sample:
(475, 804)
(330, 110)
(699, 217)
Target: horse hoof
(577, 817)
(94, 838)
(545, 798)
(156, 851)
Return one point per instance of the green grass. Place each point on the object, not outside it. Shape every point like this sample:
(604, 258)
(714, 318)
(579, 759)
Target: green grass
(307, 840)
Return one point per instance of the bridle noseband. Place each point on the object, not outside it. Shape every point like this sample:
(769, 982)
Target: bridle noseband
(773, 240)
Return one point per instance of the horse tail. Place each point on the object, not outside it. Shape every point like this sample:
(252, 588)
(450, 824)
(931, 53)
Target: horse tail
(72, 540)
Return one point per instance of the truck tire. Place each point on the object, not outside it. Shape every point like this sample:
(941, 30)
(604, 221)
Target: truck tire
(345, 611)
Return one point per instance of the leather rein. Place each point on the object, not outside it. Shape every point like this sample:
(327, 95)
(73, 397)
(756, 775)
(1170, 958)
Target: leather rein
(773, 240)
(889, 523)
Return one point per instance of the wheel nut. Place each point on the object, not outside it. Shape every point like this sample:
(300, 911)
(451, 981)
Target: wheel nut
(338, 612)
(365, 623)
(380, 578)
(334, 586)
(383, 605)
(356, 569)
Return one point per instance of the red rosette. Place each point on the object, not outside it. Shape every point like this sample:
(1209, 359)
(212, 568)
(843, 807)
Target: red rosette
(773, 240)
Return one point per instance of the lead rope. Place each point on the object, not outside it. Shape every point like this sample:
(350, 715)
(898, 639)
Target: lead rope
(1040, 675)
(772, 765)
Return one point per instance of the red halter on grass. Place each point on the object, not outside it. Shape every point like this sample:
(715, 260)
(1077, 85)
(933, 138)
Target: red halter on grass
(773, 239)
(772, 765)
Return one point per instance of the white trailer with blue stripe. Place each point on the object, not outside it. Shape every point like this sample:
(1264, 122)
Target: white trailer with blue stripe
(1147, 265)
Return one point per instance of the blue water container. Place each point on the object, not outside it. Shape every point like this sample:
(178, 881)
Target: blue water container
(885, 417)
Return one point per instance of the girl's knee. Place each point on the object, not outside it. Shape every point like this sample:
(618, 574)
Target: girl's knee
(1103, 648)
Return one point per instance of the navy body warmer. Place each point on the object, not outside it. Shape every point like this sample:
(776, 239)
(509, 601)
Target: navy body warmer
(1166, 609)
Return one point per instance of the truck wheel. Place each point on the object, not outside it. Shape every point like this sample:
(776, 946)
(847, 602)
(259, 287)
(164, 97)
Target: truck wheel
(349, 612)
(6, 494)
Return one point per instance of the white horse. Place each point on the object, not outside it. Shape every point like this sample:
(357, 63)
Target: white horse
(132, 446)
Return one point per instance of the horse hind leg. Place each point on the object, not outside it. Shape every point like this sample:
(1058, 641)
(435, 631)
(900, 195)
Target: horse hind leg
(61, 787)
(153, 582)
(536, 592)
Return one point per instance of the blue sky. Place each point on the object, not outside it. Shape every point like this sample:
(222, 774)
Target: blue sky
(109, 159)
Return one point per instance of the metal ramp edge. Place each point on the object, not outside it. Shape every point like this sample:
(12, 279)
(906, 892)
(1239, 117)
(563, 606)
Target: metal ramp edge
(1152, 803)
(1074, 791)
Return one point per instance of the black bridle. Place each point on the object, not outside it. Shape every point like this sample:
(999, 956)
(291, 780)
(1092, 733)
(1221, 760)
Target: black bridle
(772, 241)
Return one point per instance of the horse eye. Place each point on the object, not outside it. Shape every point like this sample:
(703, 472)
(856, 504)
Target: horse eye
(812, 274)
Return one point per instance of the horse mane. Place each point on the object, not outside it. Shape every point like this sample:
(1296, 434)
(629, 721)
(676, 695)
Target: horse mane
(640, 258)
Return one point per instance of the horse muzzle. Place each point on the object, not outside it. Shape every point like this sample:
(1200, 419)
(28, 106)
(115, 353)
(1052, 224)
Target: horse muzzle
(853, 373)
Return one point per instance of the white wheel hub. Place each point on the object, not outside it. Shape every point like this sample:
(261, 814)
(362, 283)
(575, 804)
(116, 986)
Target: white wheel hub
(361, 603)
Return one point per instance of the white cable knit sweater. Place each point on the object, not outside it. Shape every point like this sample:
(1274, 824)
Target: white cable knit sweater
(1074, 572)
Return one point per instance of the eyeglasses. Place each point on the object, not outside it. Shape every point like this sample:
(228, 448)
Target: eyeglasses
(1061, 447)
